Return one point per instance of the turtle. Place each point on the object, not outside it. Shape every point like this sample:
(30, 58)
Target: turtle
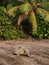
(21, 50)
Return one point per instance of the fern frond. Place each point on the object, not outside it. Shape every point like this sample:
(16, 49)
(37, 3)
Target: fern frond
(32, 20)
(43, 13)
(11, 11)
(44, 5)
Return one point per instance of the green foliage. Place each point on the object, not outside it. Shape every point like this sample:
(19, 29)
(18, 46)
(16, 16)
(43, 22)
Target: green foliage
(8, 32)
(25, 8)
(32, 1)
(37, 1)
(43, 29)
(2, 10)
(45, 5)
(7, 29)
(43, 13)
(38, 18)
(13, 2)
(22, 35)
(32, 20)
(9, 6)
(4, 20)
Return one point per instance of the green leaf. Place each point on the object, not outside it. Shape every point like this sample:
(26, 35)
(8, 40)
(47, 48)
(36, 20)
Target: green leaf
(44, 5)
(11, 12)
(25, 8)
(43, 13)
(9, 6)
(32, 20)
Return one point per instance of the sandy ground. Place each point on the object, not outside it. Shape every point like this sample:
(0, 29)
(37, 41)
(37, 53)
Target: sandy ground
(39, 50)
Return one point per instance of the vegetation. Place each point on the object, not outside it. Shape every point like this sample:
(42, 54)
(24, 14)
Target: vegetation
(7, 29)
(19, 16)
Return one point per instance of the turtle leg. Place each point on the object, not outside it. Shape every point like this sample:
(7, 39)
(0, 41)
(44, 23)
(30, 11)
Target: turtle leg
(18, 55)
